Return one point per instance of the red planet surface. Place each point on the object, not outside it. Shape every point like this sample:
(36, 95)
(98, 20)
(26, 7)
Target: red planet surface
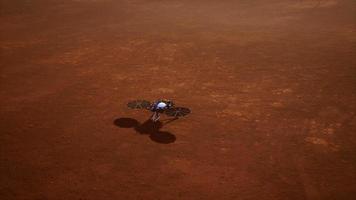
(271, 86)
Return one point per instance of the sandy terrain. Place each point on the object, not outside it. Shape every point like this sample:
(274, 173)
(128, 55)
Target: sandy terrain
(271, 85)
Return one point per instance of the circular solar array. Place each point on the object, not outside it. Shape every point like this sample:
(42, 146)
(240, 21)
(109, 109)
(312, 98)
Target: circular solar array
(139, 104)
(177, 112)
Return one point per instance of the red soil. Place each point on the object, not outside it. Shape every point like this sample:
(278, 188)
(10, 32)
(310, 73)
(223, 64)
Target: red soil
(271, 85)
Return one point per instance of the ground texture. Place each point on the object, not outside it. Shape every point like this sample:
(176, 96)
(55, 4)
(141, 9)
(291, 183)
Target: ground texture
(271, 85)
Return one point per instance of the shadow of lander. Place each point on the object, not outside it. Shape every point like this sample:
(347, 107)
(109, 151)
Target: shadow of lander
(148, 127)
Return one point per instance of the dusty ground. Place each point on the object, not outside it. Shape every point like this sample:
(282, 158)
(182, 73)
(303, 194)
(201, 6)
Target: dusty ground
(271, 85)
